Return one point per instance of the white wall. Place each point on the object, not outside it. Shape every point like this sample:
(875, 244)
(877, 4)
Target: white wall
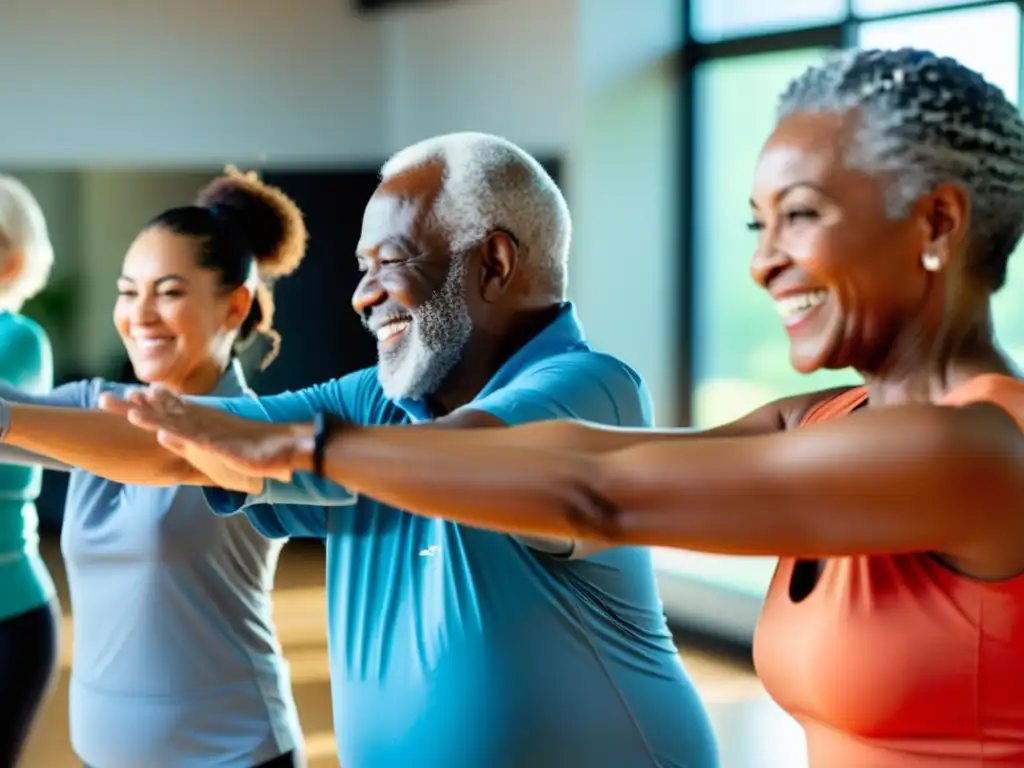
(194, 84)
(623, 187)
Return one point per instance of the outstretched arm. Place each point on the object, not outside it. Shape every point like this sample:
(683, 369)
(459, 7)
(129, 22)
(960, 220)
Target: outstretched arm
(62, 427)
(389, 457)
(97, 442)
(885, 481)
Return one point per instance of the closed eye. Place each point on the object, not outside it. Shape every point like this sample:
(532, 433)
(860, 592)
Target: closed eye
(801, 214)
(755, 226)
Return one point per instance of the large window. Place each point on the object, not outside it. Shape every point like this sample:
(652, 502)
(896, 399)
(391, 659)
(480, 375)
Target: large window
(740, 353)
(712, 20)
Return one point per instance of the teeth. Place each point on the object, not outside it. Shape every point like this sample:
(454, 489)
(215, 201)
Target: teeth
(151, 343)
(392, 329)
(799, 302)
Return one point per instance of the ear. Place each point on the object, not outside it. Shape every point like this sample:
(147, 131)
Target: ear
(11, 267)
(239, 303)
(498, 261)
(944, 221)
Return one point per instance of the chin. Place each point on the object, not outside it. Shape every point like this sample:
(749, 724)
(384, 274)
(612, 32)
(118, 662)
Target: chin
(148, 373)
(804, 365)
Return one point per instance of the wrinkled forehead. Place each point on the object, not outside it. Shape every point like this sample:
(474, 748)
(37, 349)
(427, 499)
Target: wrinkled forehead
(400, 207)
(388, 217)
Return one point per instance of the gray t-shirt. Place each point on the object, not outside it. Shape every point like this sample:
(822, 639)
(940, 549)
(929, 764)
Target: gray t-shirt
(176, 660)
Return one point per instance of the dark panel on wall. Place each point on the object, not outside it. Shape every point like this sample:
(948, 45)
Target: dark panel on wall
(380, 5)
(322, 336)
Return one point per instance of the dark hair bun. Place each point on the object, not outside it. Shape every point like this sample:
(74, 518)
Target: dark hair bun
(266, 217)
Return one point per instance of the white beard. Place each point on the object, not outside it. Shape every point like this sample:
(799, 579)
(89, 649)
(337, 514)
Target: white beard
(419, 363)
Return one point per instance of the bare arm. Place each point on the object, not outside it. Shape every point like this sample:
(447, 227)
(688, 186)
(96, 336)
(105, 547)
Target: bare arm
(876, 482)
(593, 439)
(57, 426)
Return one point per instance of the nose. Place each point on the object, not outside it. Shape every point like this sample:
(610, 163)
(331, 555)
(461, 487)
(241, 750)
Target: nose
(143, 310)
(368, 294)
(769, 260)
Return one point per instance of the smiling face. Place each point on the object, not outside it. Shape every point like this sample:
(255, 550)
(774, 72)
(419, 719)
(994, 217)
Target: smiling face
(175, 320)
(412, 296)
(846, 278)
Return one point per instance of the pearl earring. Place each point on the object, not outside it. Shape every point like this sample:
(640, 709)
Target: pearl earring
(931, 262)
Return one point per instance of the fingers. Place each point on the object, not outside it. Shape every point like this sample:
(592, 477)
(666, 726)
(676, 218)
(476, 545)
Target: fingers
(152, 400)
(144, 418)
(113, 404)
(172, 442)
(163, 400)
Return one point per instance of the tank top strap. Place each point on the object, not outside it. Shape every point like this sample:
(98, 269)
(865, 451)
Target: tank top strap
(835, 407)
(1004, 391)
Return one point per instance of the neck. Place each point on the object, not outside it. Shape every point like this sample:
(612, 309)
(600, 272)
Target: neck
(923, 367)
(202, 381)
(484, 355)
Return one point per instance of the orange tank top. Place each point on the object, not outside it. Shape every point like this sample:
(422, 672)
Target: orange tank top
(898, 661)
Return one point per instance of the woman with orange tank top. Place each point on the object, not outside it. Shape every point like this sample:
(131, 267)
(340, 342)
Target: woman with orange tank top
(887, 202)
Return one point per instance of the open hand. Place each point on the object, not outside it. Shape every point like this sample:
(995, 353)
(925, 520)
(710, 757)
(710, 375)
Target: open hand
(234, 452)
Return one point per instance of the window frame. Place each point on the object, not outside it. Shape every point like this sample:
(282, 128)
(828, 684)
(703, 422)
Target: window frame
(692, 53)
(706, 605)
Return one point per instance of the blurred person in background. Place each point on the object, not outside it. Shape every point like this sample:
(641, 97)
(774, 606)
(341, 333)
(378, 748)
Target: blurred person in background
(449, 645)
(29, 613)
(176, 659)
(887, 203)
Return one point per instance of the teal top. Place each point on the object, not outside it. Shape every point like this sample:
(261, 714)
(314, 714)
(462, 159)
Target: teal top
(26, 362)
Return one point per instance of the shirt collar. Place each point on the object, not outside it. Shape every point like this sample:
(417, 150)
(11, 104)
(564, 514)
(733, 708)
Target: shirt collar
(563, 334)
(232, 383)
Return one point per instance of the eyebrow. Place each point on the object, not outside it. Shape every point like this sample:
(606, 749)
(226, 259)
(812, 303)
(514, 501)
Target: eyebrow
(402, 241)
(781, 194)
(163, 279)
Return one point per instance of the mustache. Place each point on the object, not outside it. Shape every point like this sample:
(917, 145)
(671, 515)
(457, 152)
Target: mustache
(373, 320)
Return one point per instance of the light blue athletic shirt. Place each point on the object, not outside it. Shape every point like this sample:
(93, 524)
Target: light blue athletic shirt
(176, 660)
(26, 362)
(456, 647)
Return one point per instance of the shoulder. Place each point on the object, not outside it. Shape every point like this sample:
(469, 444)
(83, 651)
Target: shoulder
(794, 410)
(598, 366)
(355, 397)
(606, 381)
(19, 326)
(24, 336)
(577, 384)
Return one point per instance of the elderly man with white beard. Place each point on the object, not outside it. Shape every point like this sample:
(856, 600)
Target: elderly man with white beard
(450, 645)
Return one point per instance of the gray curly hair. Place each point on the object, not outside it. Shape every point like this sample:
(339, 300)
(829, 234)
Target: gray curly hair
(929, 120)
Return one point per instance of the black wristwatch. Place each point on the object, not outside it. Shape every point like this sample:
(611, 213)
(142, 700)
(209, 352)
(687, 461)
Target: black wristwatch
(319, 443)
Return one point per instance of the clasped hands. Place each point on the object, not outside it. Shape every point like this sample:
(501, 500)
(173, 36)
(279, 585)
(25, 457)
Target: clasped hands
(232, 452)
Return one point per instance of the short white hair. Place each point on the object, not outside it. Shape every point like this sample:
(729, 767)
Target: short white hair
(490, 183)
(23, 231)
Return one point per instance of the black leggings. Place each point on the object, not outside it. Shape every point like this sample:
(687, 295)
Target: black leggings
(29, 644)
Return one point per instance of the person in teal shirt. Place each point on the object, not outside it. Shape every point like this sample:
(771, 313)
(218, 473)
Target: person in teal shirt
(29, 614)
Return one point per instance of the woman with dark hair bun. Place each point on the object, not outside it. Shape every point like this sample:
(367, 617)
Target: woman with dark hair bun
(176, 659)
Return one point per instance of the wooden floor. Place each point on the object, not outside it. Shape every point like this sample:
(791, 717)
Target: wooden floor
(752, 732)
